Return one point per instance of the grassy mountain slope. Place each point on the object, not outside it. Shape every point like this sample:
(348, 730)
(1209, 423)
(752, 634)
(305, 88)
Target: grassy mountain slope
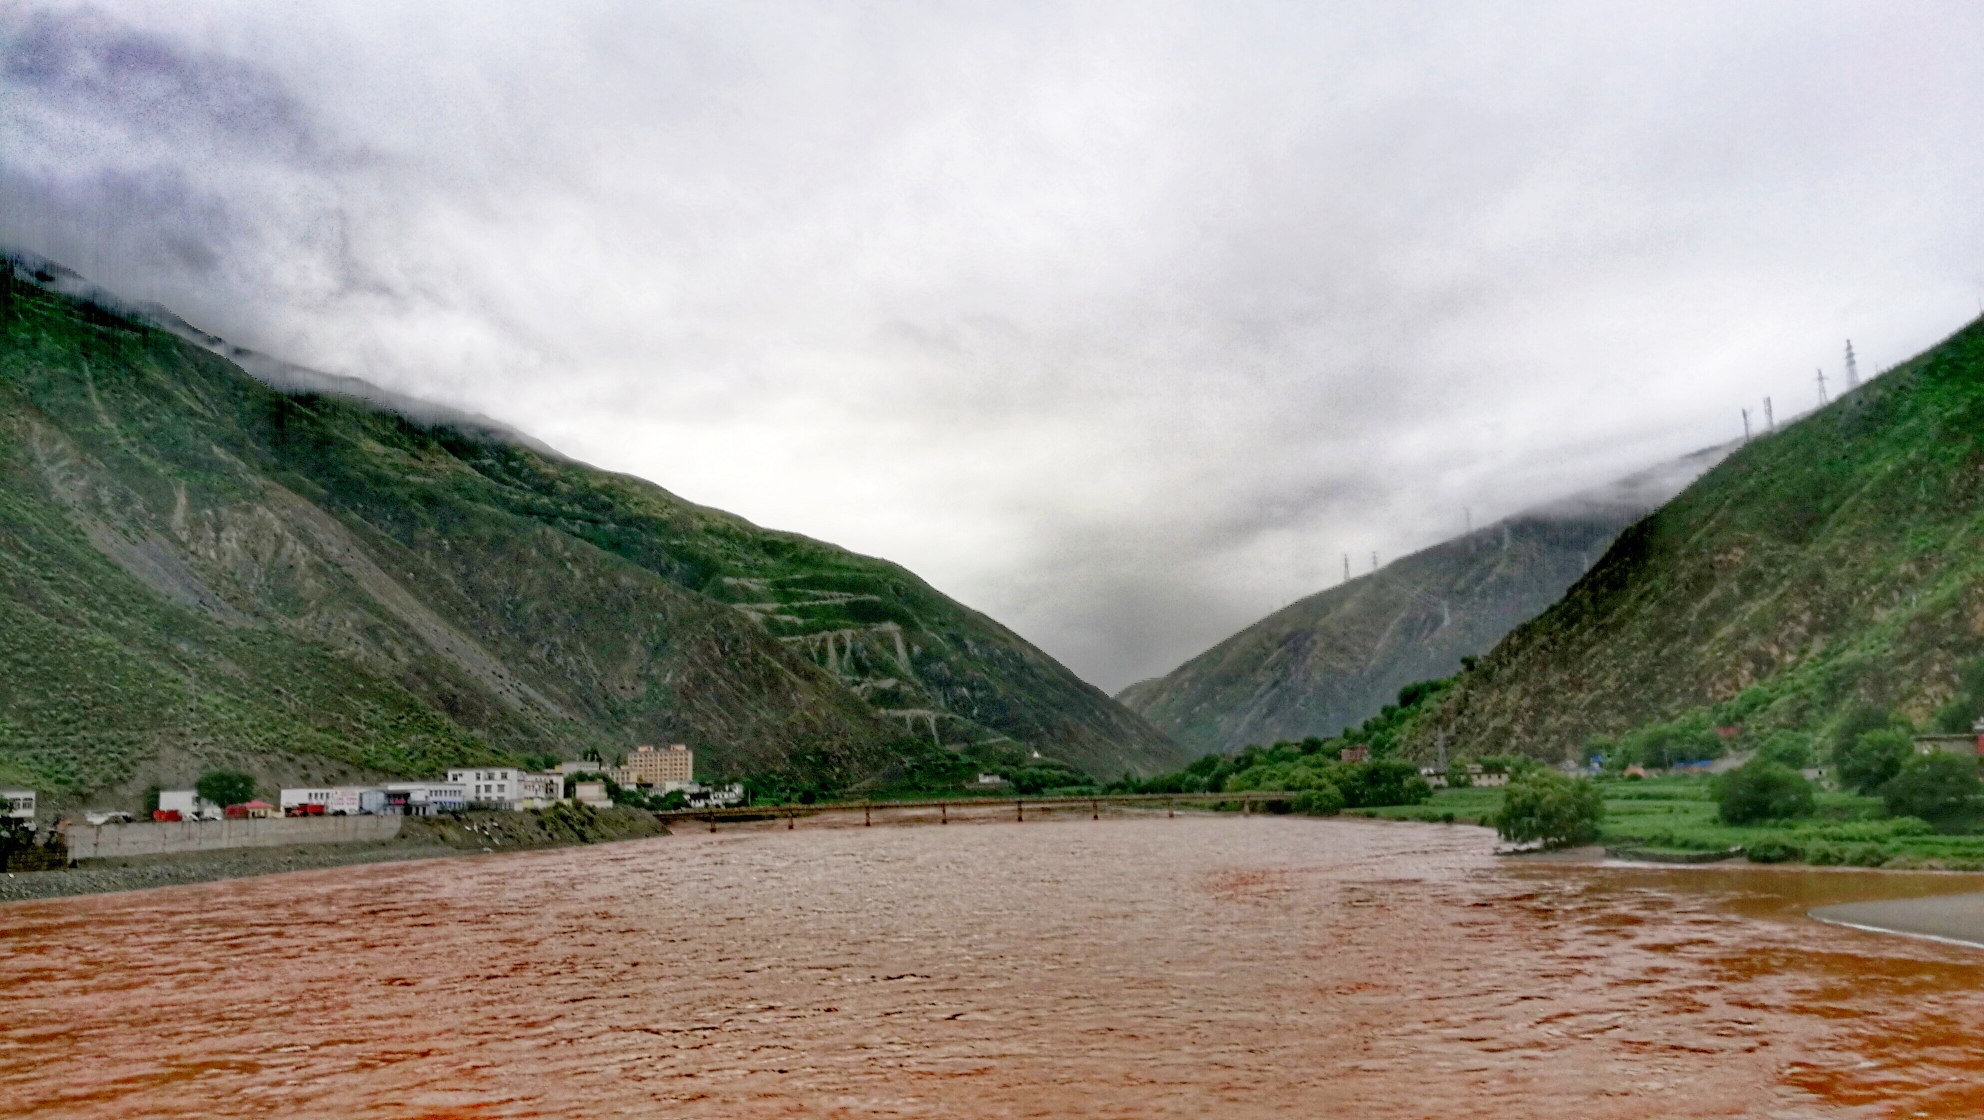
(1332, 660)
(1832, 565)
(195, 567)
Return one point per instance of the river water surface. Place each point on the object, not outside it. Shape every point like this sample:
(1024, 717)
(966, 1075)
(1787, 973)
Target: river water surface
(1132, 967)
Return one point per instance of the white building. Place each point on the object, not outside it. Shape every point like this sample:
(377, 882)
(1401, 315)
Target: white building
(338, 801)
(17, 805)
(424, 799)
(592, 793)
(539, 791)
(492, 786)
(509, 788)
(713, 797)
(189, 805)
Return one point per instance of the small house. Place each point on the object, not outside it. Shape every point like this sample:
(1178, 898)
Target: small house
(18, 805)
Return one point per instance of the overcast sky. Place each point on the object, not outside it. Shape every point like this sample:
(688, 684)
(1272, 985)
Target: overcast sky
(1120, 322)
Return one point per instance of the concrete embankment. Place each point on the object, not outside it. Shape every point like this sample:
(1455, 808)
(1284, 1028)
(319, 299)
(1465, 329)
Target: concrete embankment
(1956, 917)
(414, 838)
(169, 838)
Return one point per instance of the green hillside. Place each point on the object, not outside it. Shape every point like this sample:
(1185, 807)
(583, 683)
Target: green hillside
(1328, 662)
(197, 567)
(1826, 571)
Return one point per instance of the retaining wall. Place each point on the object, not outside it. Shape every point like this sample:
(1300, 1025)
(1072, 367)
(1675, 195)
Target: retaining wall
(164, 838)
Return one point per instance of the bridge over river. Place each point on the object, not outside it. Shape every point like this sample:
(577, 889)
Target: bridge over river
(1169, 802)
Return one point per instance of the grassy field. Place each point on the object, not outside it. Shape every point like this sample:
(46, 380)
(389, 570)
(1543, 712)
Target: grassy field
(1675, 817)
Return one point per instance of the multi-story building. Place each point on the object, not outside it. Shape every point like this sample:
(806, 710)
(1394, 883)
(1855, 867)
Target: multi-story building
(494, 786)
(17, 805)
(658, 766)
(539, 791)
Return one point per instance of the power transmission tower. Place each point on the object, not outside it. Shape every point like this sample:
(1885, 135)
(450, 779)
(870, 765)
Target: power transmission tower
(1746, 425)
(1770, 420)
(1852, 368)
(1346, 567)
(1822, 388)
(1374, 561)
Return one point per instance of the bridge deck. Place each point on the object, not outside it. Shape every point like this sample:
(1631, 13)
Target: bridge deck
(1019, 804)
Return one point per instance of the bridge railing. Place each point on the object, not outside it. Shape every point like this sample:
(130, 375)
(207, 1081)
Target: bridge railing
(1020, 804)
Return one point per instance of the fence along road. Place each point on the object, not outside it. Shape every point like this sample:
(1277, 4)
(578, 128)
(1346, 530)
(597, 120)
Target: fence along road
(867, 809)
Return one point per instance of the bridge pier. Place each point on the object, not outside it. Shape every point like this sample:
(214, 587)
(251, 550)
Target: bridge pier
(866, 820)
(943, 813)
(1094, 809)
(712, 822)
(1019, 807)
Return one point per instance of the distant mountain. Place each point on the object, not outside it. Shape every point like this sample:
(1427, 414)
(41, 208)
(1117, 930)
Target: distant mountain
(1336, 658)
(209, 555)
(1836, 564)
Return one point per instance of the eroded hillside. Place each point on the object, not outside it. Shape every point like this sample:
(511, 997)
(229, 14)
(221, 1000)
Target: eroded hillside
(200, 567)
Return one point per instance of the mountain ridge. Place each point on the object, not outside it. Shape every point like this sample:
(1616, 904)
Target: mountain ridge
(435, 588)
(1827, 568)
(1333, 659)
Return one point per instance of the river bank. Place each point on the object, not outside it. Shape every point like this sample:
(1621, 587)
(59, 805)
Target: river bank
(418, 838)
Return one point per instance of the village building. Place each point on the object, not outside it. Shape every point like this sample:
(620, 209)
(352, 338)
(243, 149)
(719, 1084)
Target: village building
(18, 805)
(496, 786)
(334, 801)
(669, 767)
(425, 799)
(592, 793)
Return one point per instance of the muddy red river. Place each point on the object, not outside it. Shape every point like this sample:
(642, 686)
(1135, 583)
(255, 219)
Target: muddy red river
(1133, 967)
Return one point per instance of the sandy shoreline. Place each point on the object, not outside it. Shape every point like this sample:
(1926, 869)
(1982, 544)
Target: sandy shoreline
(1956, 918)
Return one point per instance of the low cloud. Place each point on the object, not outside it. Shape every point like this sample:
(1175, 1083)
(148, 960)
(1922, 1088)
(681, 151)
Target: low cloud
(1121, 322)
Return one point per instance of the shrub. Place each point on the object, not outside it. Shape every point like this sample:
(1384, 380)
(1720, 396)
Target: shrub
(1939, 788)
(1319, 801)
(1773, 851)
(1789, 748)
(1762, 790)
(1871, 758)
(226, 787)
(1383, 782)
(1550, 808)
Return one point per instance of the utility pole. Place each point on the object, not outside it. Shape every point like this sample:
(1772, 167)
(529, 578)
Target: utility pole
(1822, 388)
(1770, 420)
(1746, 425)
(1852, 368)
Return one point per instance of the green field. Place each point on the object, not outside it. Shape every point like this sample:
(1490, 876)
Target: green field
(1675, 816)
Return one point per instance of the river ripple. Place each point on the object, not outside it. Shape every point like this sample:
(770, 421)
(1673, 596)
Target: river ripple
(1133, 967)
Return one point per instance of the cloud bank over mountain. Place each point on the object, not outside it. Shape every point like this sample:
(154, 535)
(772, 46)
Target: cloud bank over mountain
(1123, 323)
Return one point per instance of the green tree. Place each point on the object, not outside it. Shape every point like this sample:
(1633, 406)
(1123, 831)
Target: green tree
(1458, 776)
(1320, 800)
(1871, 758)
(1763, 790)
(226, 787)
(1788, 748)
(1942, 789)
(1382, 782)
(1547, 807)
